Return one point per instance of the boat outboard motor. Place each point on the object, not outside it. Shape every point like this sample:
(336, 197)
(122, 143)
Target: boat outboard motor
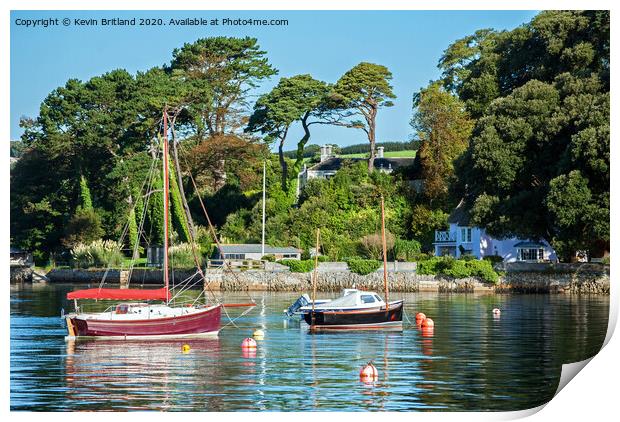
(302, 301)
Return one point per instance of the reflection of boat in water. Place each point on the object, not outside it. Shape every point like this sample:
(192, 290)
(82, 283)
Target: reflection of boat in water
(137, 374)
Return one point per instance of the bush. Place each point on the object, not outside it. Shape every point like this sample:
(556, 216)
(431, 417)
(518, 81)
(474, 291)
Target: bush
(458, 268)
(297, 266)
(494, 259)
(182, 255)
(269, 257)
(406, 249)
(484, 270)
(99, 253)
(468, 257)
(372, 244)
(363, 266)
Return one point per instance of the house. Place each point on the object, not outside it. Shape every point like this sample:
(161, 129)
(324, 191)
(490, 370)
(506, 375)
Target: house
(464, 239)
(254, 251)
(329, 165)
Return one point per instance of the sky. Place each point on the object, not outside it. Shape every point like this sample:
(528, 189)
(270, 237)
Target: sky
(324, 44)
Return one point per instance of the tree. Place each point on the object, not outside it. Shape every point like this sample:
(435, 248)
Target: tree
(300, 97)
(360, 93)
(538, 162)
(443, 127)
(220, 71)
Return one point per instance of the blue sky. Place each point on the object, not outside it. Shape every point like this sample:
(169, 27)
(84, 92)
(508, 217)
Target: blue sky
(323, 43)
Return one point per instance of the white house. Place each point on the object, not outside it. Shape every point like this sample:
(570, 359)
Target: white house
(330, 164)
(463, 239)
(253, 251)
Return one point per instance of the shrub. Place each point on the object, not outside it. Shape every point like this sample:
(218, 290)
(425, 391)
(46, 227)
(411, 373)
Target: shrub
(484, 270)
(297, 266)
(406, 249)
(269, 257)
(605, 260)
(494, 259)
(182, 255)
(451, 267)
(363, 266)
(372, 244)
(99, 253)
(468, 257)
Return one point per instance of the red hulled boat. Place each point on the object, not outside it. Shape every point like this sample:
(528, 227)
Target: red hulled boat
(144, 320)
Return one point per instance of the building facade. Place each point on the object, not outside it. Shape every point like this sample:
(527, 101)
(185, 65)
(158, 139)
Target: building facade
(461, 238)
(253, 251)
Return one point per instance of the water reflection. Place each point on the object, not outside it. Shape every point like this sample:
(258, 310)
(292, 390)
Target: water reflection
(470, 360)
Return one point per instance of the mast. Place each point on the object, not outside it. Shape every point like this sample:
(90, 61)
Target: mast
(316, 266)
(166, 199)
(263, 238)
(385, 278)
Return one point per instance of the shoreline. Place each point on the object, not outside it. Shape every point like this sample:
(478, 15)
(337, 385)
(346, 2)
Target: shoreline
(542, 278)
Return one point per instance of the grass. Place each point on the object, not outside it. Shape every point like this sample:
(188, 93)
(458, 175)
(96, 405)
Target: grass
(409, 153)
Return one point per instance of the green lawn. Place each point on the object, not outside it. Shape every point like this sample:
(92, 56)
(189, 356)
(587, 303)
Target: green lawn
(409, 153)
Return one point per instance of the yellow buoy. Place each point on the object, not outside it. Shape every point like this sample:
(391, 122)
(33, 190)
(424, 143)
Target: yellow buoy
(185, 348)
(258, 334)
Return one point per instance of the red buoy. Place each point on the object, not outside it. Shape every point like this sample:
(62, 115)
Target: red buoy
(428, 323)
(428, 331)
(369, 373)
(248, 343)
(419, 317)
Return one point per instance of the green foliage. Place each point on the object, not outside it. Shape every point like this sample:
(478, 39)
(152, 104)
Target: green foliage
(457, 268)
(372, 244)
(297, 266)
(443, 127)
(424, 222)
(83, 227)
(406, 249)
(363, 266)
(177, 213)
(269, 257)
(359, 94)
(538, 161)
(97, 254)
(86, 203)
(132, 233)
(182, 255)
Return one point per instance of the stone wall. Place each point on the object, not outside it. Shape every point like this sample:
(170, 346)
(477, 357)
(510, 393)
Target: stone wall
(565, 279)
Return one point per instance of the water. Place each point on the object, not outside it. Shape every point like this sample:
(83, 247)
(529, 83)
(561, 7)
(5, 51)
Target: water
(472, 361)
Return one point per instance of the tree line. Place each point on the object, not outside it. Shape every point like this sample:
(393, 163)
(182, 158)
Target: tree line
(517, 127)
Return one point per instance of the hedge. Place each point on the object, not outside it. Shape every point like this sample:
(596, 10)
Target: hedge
(363, 266)
(457, 268)
(297, 266)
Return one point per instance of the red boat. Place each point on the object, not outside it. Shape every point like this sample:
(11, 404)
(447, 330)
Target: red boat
(146, 320)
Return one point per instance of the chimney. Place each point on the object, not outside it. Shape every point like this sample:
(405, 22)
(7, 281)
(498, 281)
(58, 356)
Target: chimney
(379, 152)
(326, 152)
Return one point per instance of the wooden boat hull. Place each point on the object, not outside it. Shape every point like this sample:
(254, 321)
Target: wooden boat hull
(391, 320)
(200, 324)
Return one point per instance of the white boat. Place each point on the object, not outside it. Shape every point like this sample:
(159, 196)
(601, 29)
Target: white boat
(303, 304)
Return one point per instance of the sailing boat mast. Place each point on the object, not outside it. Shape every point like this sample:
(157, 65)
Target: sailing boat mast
(385, 278)
(166, 199)
(263, 238)
(314, 279)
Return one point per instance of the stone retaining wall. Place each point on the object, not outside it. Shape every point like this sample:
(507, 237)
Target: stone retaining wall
(586, 280)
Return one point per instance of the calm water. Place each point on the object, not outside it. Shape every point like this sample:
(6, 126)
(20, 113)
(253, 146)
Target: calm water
(473, 361)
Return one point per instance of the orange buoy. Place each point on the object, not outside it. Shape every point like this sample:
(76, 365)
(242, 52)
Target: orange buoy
(419, 317)
(428, 331)
(248, 343)
(369, 373)
(428, 323)
(496, 311)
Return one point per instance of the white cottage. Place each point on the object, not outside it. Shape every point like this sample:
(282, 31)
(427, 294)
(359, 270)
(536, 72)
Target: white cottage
(463, 239)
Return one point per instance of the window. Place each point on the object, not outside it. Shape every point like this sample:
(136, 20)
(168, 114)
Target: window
(378, 298)
(234, 256)
(466, 234)
(289, 255)
(367, 299)
(532, 254)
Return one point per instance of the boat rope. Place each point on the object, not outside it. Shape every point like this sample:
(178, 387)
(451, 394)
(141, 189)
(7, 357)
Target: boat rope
(232, 321)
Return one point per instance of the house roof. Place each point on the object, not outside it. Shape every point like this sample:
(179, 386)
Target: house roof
(335, 163)
(529, 244)
(459, 215)
(256, 248)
